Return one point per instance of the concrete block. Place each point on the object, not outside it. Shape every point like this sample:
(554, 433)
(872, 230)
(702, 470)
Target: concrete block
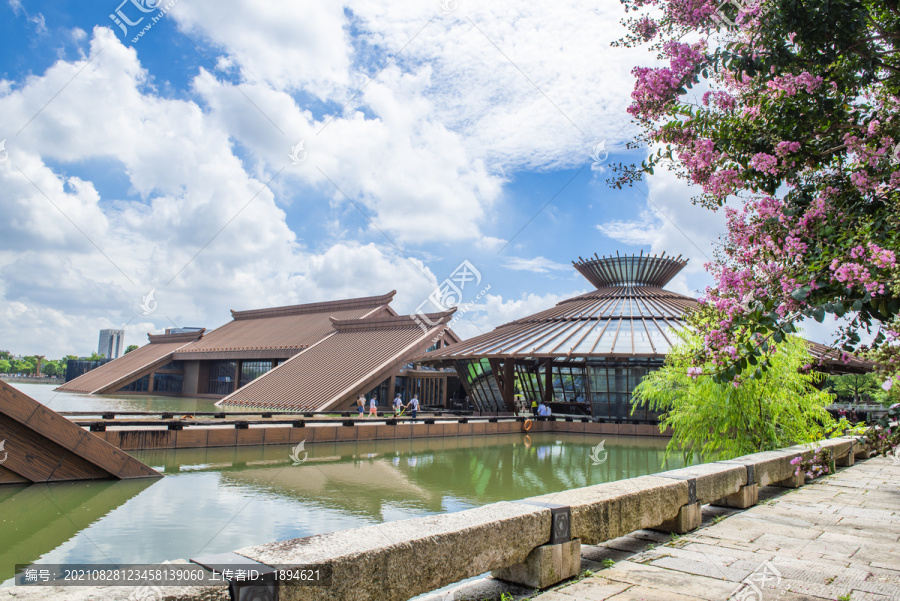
(747, 496)
(713, 480)
(689, 517)
(399, 560)
(606, 511)
(772, 466)
(794, 481)
(545, 566)
(845, 460)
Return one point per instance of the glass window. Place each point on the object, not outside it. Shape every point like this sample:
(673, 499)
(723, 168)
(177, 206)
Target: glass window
(221, 377)
(139, 385)
(250, 370)
(168, 383)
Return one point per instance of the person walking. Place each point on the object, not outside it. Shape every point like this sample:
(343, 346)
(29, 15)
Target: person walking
(361, 404)
(398, 404)
(414, 404)
(534, 407)
(373, 406)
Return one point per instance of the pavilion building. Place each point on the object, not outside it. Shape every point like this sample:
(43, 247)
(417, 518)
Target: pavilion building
(310, 357)
(586, 354)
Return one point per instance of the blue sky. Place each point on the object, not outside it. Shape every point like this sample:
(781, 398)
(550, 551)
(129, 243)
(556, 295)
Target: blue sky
(432, 134)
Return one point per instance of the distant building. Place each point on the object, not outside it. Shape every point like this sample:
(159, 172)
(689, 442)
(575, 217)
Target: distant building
(79, 367)
(311, 357)
(112, 343)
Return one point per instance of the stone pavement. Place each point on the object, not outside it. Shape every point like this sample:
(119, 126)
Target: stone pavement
(836, 538)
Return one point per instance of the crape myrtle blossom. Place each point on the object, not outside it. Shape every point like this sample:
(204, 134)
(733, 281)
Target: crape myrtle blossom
(799, 132)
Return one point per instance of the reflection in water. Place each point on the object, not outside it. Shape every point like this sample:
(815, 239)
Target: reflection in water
(36, 518)
(222, 499)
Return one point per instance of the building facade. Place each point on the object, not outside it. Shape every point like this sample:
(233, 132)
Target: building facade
(310, 357)
(586, 355)
(112, 343)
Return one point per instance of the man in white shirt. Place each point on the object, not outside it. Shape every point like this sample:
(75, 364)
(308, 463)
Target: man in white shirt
(414, 403)
(397, 406)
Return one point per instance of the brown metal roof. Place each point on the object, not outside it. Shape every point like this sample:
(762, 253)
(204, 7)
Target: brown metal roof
(832, 360)
(108, 376)
(356, 356)
(290, 328)
(611, 321)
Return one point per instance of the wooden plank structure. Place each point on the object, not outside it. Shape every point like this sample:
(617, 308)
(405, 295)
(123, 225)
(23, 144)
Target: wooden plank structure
(40, 445)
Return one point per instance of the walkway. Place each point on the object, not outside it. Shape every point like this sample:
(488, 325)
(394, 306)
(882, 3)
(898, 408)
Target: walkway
(835, 539)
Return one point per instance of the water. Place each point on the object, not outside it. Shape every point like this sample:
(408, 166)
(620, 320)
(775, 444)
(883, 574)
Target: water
(222, 499)
(68, 401)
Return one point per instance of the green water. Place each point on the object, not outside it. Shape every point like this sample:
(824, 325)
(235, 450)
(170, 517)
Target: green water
(222, 499)
(219, 500)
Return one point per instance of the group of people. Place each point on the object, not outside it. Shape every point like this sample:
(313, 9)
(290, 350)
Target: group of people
(540, 408)
(399, 407)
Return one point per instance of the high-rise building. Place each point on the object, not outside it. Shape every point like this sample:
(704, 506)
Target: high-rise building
(112, 343)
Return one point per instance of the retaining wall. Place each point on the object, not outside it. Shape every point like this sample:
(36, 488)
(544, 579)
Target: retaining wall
(229, 436)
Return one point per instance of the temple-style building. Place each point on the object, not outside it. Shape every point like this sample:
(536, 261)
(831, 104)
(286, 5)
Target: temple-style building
(586, 354)
(310, 357)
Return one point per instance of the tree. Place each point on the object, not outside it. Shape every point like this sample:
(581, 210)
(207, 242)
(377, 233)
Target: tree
(4, 366)
(130, 347)
(50, 368)
(23, 366)
(719, 420)
(856, 388)
(799, 122)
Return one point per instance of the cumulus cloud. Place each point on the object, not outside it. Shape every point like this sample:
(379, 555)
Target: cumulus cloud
(202, 232)
(410, 121)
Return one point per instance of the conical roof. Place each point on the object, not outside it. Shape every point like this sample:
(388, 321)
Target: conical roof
(628, 314)
(637, 270)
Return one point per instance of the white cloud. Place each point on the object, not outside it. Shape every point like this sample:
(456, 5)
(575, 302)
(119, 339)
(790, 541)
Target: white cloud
(195, 237)
(493, 311)
(535, 265)
(670, 223)
(422, 150)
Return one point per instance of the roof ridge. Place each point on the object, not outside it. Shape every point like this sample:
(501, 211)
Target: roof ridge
(179, 337)
(394, 321)
(319, 307)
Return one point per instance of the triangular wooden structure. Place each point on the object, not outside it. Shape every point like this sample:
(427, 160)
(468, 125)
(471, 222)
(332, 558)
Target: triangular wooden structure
(40, 445)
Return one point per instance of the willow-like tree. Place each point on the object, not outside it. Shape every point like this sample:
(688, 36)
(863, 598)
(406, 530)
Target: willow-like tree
(714, 420)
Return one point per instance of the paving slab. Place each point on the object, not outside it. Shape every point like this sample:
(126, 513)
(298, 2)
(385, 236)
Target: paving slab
(833, 537)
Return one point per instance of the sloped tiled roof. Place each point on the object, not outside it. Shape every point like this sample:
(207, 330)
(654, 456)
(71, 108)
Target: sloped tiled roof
(113, 375)
(290, 328)
(356, 356)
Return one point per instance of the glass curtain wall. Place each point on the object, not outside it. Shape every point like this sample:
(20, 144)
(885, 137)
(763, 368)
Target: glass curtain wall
(612, 382)
(606, 384)
(481, 384)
